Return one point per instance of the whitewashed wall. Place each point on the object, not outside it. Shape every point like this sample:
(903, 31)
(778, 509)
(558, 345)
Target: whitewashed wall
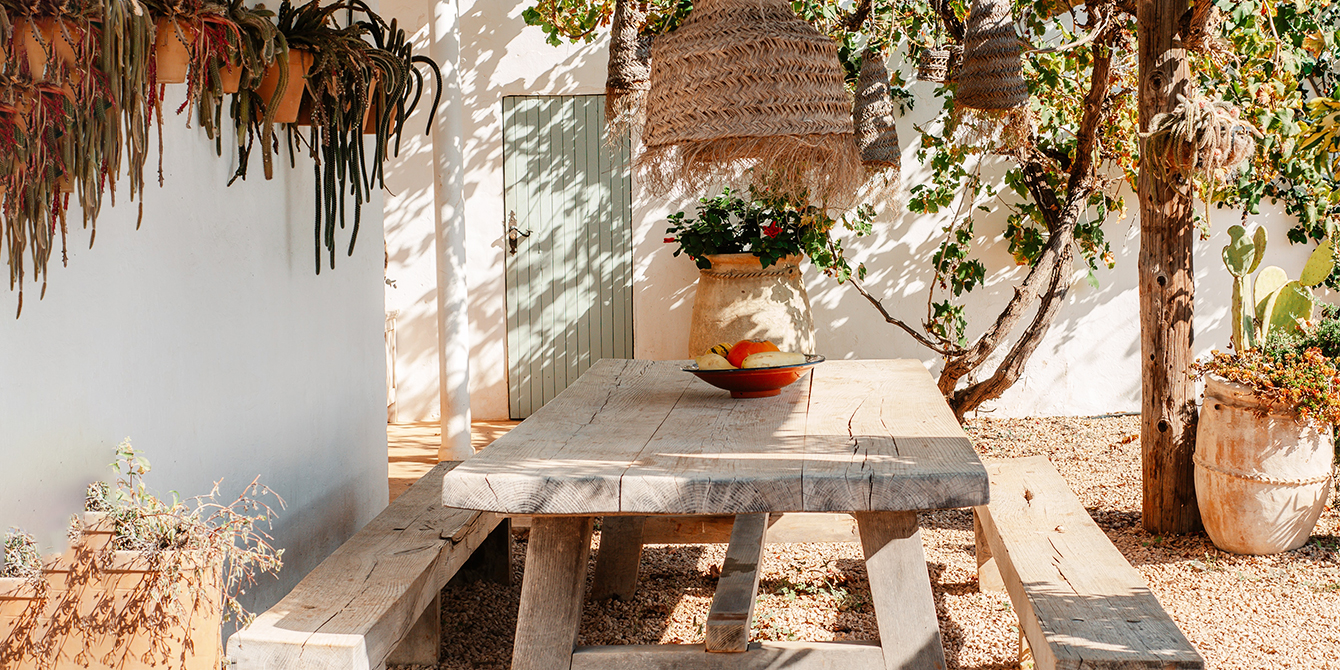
(207, 339)
(1088, 364)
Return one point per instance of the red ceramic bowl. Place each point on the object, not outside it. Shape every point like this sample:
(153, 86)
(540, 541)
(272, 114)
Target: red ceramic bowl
(756, 382)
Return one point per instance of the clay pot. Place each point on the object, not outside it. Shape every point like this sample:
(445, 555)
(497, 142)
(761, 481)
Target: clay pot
(230, 76)
(58, 34)
(1262, 476)
(172, 50)
(738, 299)
(299, 63)
(29, 34)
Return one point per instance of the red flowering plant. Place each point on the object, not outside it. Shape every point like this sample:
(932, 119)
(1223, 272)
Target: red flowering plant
(770, 225)
(1297, 371)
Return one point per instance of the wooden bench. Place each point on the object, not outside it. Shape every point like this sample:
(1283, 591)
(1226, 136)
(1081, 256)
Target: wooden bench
(1080, 603)
(375, 600)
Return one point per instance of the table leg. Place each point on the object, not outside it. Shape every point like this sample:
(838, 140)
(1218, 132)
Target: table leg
(901, 588)
(552, 590)
(617, 562)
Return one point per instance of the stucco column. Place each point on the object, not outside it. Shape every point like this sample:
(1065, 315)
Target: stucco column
(453, 326)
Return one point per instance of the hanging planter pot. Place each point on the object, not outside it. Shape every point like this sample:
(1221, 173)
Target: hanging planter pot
(230, 78)
(876, 130)
(746, 85)
(61, 36)
(290, 102)
(939, 64)
(172, 50)
(629, 72)
(36, 48)
(992, 96)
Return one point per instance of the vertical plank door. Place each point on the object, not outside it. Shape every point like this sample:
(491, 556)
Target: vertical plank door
(569, 282)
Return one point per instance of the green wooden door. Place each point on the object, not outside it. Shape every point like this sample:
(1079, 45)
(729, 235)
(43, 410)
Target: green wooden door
(568, 211)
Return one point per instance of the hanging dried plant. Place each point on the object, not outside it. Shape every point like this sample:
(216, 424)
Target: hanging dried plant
(1199, 138)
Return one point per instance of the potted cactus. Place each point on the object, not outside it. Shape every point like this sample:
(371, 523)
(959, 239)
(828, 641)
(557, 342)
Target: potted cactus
(1264, 446)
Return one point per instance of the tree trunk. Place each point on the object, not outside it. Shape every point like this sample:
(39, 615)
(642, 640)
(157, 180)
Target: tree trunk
(1168, 398)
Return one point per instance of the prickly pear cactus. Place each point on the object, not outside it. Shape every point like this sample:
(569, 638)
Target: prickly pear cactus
(1241, 257)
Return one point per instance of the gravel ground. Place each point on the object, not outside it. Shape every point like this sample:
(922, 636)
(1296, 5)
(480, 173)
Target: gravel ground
(1240, 612)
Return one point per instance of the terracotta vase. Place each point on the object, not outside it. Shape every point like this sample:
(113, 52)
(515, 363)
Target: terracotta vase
(31, 41)
(61, 35)
(738, 299)
(1262, 476)
(230, 77)
(172, 50)
(299, 63)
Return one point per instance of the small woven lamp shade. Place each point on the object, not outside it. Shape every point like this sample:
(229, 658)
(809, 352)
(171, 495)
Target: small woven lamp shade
(990, 76)
(745, 84)
(629, 74)
(876, 132)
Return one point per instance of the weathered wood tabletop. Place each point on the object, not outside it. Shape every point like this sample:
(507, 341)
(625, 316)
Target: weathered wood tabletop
(638, 438)
(642, 437)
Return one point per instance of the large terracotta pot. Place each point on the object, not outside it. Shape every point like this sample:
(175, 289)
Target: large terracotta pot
(1262, 477)
(738, 299)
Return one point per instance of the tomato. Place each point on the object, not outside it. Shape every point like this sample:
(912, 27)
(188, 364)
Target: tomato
(743, 348)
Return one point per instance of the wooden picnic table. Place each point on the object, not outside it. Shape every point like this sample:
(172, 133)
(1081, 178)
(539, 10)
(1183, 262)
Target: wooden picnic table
(635, 438)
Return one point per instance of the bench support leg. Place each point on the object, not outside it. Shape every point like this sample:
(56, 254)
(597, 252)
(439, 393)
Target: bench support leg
(492, 559)
(552, 590)
(901, 589)
(617, 562)
(988, 575)
(420, 645)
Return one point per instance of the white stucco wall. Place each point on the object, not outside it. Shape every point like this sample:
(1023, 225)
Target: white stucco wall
(1088, 363)
(207, 339)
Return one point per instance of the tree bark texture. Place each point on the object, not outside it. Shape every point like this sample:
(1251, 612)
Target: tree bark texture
(1167, 290)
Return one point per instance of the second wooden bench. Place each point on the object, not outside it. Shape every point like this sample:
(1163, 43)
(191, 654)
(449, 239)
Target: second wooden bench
(1080, 603)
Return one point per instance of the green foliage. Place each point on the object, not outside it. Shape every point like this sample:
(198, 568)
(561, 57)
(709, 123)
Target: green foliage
(1280, 69)
(768, 225)
(1306, 382)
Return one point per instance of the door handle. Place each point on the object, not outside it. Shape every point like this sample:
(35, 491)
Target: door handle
(514, 234)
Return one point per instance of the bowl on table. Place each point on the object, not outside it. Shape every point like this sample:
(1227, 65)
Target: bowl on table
(756, 382)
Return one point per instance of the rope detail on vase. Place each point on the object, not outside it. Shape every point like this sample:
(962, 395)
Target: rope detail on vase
(733, 274)
(1261, 479)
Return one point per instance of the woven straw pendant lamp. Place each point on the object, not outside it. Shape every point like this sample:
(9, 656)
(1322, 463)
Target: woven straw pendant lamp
(746, 84)
(629, 73)
(990, 77)
(876, 132)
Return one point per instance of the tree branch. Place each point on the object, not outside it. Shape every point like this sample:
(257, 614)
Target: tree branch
(1087, 138)
(949, 19)
(921, 339)
(858, 17)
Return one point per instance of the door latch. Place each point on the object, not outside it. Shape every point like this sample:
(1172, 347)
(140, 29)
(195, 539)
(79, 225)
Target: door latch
(514, 234)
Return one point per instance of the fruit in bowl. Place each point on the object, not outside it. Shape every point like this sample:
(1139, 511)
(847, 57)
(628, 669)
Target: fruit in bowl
(752, 368)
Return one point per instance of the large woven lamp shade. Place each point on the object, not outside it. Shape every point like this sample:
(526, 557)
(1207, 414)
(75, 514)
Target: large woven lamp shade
(990, 76)
(745, 84)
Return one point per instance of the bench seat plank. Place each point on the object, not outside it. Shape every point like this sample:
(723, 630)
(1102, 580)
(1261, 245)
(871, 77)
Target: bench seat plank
(1080, 603)
(354, 607)
(760, 656)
